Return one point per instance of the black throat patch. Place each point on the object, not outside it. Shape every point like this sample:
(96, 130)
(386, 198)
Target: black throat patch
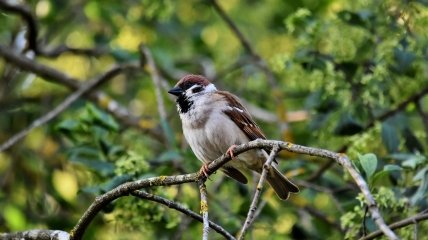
(184, 103)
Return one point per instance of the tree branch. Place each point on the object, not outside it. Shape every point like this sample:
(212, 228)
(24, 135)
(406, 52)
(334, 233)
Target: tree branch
(156, 78)
(400, 224)
(32, 35)
(36, 235)
(204, 209)
(178, 207)
(98, 97)
(83, 88)
(253, 207)
(127, 188)
(245, 43)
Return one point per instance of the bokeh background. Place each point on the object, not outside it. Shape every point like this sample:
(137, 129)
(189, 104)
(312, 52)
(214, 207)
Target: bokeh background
(348, 76)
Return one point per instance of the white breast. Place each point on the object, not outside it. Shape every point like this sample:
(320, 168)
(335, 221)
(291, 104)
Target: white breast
(210, 132)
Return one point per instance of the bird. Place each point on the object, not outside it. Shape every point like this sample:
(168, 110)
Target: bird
(214, 122)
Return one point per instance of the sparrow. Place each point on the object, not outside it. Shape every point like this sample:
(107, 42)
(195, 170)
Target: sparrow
(214, 122)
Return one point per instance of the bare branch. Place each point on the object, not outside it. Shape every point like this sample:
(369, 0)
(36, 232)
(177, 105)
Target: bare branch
(253, 207)
(401, 106)
(84, 88)
(36, 235)
(32, 35)
(127, 188)
(98, 97)
(245, 43)
(204, 209)
(156, 78)
(25, 13)
(400, 224)
(178, 207)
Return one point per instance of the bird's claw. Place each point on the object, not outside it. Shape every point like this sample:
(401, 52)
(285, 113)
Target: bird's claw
(204, 171)
(230, 151)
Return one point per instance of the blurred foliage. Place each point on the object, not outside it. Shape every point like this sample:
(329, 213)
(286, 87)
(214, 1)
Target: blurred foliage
(344, 62)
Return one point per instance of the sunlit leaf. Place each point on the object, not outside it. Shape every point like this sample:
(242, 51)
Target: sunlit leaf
(368, 163)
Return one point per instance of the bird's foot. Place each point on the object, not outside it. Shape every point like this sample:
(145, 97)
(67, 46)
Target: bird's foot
(230, 151)
(204, 171)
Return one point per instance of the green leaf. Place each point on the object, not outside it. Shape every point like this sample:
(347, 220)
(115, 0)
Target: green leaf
(421, 193)
(67, 125)
(114, 182)
(108, 185)
(104, 168)
(384, 173)
(420, 175)
(414, 161)
(169, 156)
(392, 167)
(404, 61)
(390, 137)
(369, 163)
(100, 118)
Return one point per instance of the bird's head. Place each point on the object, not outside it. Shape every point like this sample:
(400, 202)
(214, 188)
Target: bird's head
(192, 85)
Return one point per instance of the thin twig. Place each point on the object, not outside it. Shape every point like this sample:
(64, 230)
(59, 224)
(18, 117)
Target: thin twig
(245, 43)
(127, 188)
(204, 209)
(180, 208)
(100, 98)
(400, 224)
(401, 106)
(253, 207)
(84, 88)
(156, 78)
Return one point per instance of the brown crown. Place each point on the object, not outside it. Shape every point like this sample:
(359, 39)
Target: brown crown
(190, 80)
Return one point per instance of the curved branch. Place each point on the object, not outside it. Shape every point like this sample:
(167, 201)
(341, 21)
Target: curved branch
(25, 13)
(127, 188)
(178, 207)
(400, 224)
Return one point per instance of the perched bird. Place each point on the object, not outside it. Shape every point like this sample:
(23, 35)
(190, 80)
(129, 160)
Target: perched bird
(214, 122)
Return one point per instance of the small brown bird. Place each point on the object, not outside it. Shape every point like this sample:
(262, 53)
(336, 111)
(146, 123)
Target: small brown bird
(214, 122)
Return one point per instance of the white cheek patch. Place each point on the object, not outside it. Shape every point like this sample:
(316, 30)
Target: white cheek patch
(210, 88)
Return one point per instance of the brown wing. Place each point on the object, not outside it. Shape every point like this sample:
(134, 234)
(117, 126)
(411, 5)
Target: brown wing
(235, 174)
(239, 115)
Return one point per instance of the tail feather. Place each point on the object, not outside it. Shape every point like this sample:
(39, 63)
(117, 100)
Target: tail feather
(280, 184)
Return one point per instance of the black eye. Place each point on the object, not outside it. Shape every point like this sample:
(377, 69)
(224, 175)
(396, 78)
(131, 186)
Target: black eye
(197, 89)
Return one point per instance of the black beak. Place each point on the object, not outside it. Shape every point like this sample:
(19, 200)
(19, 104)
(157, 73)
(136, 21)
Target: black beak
(176, 91)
